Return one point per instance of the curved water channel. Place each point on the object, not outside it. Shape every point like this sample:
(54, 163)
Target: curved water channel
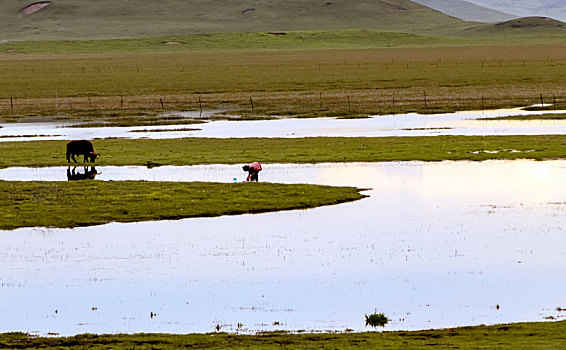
(434, 245)
(411, 124)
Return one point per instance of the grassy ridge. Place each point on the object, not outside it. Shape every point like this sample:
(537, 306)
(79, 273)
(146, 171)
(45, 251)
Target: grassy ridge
(191, 151)
(293, 40)
(86, 203)
(283, 40)
(547, 335)
(311, 83)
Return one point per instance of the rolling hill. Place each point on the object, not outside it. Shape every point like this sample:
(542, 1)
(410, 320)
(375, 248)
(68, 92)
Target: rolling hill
(521, 26)
(104, 19)
(467, 11)
(545, 8)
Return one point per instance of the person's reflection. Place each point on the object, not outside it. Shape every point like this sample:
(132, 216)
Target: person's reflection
(73, 175)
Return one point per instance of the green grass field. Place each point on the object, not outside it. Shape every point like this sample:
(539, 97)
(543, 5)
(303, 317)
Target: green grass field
(190, 151)
(87, 203)
(531, 336)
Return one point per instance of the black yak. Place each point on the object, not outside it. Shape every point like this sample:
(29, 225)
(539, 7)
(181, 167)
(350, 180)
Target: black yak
(78, 147)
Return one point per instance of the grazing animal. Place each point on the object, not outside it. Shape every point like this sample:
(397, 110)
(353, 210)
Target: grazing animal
(81, 147)
(87, 175)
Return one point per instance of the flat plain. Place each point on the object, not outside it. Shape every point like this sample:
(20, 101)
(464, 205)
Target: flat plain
(311, 74)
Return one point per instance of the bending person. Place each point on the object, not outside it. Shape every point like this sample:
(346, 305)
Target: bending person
(253, 170)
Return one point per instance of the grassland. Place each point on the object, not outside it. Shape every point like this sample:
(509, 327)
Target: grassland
(87, 203)
(532, 336)
(354, 74)
(191, 151)
(284, 40)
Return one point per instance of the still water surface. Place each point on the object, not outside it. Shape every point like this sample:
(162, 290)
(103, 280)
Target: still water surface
(435, 245)
(411, 124)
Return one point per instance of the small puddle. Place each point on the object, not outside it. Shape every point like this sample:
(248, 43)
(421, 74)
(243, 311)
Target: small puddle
(435, 245)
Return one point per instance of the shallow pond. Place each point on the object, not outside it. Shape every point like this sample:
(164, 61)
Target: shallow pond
(435, 245)
(412, 124)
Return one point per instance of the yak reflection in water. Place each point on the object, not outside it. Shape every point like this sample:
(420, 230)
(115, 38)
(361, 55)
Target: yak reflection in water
(73, 175)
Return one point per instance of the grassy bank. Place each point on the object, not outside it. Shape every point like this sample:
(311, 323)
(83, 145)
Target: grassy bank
(547, 335)
(344, 78)
(86, 203)
(189, 151)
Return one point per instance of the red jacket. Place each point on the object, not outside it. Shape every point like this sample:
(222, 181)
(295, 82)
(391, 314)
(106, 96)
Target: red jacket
(256, 166)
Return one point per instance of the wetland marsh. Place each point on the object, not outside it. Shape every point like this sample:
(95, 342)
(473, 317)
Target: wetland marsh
(435, 245)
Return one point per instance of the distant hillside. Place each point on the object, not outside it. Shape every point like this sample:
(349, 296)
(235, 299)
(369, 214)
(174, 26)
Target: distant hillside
(102, 19)
(521, 26)
(527, 8)
(467, 11)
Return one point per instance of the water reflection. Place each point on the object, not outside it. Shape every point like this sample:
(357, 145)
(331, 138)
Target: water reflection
(435, 245)
(87, 174)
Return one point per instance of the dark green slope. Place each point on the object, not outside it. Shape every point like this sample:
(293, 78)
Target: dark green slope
(520, 26)
(102, 19)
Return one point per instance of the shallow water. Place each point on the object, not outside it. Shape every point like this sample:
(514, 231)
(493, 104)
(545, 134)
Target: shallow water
(435, 245)
(412, 124)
